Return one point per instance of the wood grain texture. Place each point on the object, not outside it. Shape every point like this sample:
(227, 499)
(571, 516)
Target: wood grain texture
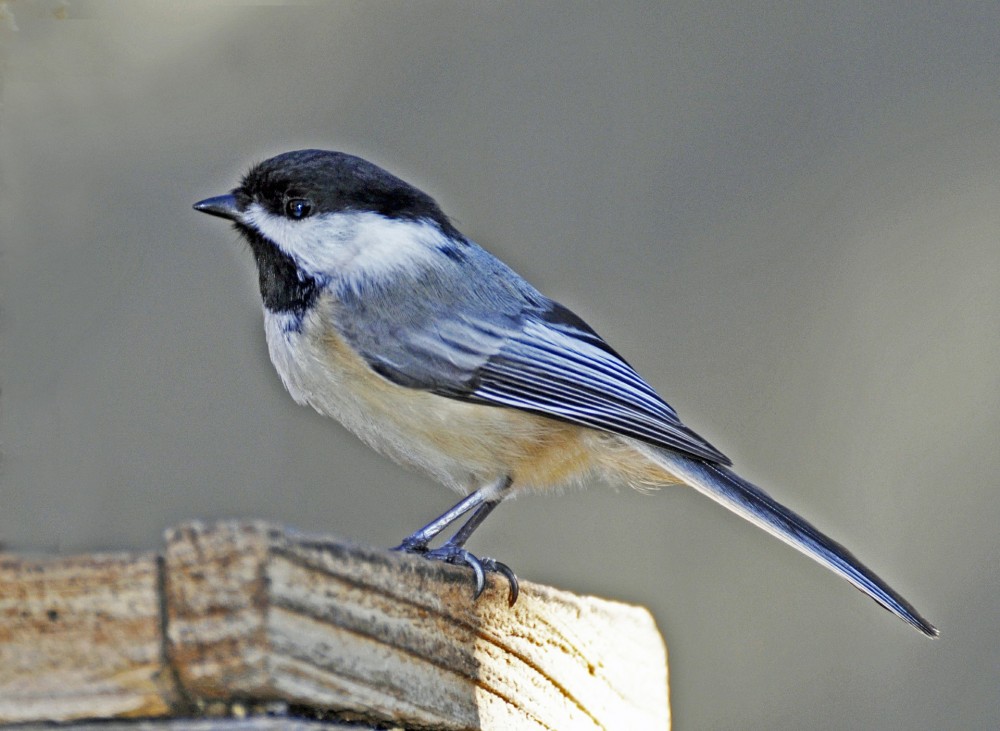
(208, 724)
(81, 636)
(255, 614)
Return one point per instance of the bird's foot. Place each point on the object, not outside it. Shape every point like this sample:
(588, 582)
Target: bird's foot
(450, 553)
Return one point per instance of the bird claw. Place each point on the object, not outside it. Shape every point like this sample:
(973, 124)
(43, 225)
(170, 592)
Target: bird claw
(458, 556)
(491, 564)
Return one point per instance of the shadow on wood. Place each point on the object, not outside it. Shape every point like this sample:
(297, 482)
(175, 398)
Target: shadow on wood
(249, 614)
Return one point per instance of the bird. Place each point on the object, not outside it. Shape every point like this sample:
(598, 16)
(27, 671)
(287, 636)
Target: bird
(380, 313)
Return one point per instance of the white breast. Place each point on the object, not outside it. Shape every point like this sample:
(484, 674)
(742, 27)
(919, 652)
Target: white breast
(459, 444)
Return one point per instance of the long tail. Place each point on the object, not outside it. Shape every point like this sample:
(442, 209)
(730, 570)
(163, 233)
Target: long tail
(746, 499)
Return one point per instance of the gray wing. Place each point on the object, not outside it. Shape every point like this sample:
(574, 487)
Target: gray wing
(512, 347)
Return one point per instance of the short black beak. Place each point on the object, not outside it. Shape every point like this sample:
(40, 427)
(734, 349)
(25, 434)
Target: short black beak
(223, 206)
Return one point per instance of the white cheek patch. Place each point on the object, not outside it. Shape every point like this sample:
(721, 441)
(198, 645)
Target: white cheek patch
(351, 245)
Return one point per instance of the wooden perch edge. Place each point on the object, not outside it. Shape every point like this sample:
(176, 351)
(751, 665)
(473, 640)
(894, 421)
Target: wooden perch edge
(247, 613)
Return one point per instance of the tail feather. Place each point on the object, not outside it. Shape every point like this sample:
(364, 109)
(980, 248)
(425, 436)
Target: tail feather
(749, 501)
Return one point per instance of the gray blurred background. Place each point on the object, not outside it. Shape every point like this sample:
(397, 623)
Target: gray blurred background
(785, 215)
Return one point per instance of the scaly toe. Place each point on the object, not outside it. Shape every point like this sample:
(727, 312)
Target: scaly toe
(409, 546)
(460, 557)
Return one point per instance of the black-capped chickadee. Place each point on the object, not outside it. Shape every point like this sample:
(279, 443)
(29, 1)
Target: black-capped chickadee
(381, 314)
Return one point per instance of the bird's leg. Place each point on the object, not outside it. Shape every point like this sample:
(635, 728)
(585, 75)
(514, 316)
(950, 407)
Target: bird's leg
(475, 520)
(417, 542)
(454, 547)
(453, 551)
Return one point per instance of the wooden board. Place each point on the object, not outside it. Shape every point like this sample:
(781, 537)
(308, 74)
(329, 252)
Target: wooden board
(247, 612)
(81, 637)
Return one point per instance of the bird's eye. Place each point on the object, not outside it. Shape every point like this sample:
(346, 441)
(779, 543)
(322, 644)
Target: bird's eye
(297, 207)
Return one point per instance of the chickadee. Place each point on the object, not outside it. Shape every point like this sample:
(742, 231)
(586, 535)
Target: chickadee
(381, 314)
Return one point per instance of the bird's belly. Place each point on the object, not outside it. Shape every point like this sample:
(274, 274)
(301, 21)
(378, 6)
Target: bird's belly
(463, 445)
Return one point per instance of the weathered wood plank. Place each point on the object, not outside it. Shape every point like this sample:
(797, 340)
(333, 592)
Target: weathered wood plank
(81, 636)
(257, 615)
(350, 627)
(207, 724)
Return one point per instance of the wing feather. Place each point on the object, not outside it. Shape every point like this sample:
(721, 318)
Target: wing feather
(489, 337)
(559, 373)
